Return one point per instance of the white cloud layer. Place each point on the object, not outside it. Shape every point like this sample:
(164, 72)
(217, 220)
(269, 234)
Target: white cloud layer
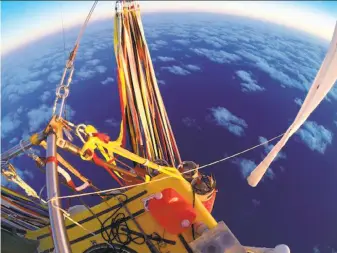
(37, 117)
(268, 147)
(190, 122)
(247, 166)
(165, 58)
(231, 122)
(177, 70)
(298, 101)
(248, 84)
(108, 80)
(315, 136)
(284, 13)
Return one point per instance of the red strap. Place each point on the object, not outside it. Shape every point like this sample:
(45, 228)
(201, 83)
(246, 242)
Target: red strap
(71, 184)
(103, 137)
(51, 159)
(98, 161)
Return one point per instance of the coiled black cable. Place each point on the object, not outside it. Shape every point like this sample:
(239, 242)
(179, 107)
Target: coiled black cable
(115, 228)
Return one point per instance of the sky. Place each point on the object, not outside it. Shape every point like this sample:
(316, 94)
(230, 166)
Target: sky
(26, 21)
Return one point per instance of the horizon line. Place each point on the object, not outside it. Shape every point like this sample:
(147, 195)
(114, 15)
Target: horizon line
(10, 49)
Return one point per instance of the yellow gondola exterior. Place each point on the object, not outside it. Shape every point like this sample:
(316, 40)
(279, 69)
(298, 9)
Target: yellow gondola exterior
(145, 219)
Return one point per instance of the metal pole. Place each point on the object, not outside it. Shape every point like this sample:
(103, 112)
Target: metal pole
(60, 237)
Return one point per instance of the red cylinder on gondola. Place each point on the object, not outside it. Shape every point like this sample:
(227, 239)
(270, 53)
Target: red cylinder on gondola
(171, 211)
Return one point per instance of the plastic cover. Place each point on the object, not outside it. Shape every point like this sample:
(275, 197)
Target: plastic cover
(217, 240)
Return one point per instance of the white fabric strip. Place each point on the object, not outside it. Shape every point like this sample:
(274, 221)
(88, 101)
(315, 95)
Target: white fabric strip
(324, 81)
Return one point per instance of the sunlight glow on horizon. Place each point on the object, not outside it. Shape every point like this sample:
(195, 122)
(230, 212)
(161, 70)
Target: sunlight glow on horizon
(17, 33)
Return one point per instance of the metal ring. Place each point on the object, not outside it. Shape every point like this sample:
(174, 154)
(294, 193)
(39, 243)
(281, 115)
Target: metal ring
(64, 93)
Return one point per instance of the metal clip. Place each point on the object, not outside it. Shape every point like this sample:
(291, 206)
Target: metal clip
(157, 195)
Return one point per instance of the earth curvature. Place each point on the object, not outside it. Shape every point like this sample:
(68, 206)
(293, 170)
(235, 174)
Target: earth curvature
(228, 84)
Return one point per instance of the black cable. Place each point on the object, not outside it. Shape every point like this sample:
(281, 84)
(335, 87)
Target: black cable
(193, 203)
(183, 241)
(118, 229)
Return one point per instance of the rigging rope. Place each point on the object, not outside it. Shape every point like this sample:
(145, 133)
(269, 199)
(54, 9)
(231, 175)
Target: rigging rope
(85, 24)
(62, 90)
(163, 178)
(141, 103)
(63, 35)
(11, 175)
(67, 215)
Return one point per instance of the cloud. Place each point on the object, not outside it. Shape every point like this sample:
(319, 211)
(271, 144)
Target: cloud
(13, 98)
(165, 58)
(177, 70)
(19, 110)
(13, 92)
(332, 93)
(247, 166)
(256, 202)
(112, 122)
(21, 75)
(101, 69)
(10, 123)
(248, 85)
(182, 42)
(84, 73)
(268, 147)
(14, 140)
(226, 119)
(153, 47)
(93, 62)
(162, 82)
(272, 70)
(213, 41)
(41, 115)
(45, 95)
(298, 101)
(38, 116)
(38, 73)
(315, 136)
(87, 71)
(218, 56)
(190, 122)
(161, 43)
(157, 44)
(323, 249)
(108, 80)
(192, 67)
(54, 77)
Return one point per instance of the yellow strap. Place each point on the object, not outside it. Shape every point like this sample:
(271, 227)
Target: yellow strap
(144, 92)
(114, 147)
